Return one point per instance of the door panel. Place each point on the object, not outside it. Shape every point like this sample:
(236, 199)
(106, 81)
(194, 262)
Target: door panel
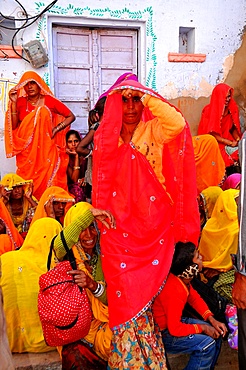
(87, 62)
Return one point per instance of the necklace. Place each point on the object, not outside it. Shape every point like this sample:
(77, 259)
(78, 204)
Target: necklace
(36, 103)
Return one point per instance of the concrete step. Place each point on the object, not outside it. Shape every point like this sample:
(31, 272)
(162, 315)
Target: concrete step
(37, 361)
(52, 361)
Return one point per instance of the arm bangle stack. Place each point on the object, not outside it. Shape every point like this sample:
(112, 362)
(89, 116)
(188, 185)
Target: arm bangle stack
(99, 290)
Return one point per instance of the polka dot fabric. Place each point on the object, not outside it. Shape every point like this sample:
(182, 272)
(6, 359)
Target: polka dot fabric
(64, 310)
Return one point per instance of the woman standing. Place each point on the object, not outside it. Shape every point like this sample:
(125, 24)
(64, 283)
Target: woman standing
(34, 126)
(144, 173)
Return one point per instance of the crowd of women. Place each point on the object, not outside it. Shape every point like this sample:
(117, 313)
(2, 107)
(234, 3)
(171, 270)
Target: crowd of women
(125, 194)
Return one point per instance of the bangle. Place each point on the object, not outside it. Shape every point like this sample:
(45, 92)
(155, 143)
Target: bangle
(76, 168)
(99, 290)
(89, 154)
(14, 113)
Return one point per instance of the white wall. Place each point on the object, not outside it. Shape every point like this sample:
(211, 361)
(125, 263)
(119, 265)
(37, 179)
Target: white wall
(218, 26)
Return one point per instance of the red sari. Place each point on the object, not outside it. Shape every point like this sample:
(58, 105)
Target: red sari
(213, 120)
(150, 216)
(38, 156)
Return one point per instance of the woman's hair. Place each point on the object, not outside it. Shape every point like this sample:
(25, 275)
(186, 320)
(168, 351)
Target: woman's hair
(98, 109)
(73, 132)
(183, 257)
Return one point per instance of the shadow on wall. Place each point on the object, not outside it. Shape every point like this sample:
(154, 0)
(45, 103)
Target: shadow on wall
(236, 78)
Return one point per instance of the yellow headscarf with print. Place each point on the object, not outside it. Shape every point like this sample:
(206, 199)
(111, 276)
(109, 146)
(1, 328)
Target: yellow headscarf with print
(100, 334)
(19, 280)
(219, 237)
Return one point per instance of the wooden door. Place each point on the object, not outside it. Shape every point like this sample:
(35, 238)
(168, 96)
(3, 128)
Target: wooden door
(87, 62)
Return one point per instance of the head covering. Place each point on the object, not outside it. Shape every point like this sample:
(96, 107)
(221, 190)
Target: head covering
(75, 211)
(213, 120)
(34, 135)
(59, 194)
(219, 237)
(12, 239)
(140, 249)
(210, 166)
(232, 181)
(124, 77)
(20, 285)
(209, 197)
(11, 180)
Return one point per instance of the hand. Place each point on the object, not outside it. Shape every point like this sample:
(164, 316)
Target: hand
(210, 330)
(234, 144)
(29, 191)
(54, 132)
(48, 206)
(83, 280)
(102, 216)
(239, 291)
(71, 152)
(128, 93)
(13, 95)
(219, 326)
(4, 194)
(93, 117)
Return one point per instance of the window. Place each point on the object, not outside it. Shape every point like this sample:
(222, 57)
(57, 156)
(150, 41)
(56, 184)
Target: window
(186, 40)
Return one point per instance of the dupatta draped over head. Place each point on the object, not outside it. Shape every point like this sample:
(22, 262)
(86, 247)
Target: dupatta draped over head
(20, 286)
(212, 119)
(219, 237)
(210, 166)
(38, 156)
(137, 255)
(58, 194)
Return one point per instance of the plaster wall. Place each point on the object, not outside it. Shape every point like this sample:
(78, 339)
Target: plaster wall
(219, 29)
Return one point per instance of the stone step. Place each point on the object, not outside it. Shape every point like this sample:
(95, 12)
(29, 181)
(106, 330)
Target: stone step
(37, 361)
(52, 361)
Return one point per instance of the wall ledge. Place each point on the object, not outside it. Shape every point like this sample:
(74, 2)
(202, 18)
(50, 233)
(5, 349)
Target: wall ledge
(6, 51)
(178, 57)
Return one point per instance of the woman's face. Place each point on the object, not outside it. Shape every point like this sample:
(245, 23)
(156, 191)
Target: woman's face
(88, 238)
(17, 192)
(72, 142)
(59, 208)
(32, 89)
(132, 109)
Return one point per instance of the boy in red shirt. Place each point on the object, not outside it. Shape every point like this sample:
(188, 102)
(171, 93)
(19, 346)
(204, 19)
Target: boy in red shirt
(200, 339)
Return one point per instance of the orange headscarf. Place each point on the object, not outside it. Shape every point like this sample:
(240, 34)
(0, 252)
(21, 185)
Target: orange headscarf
(210, 166)
(34, 136)
(59, 194)
(12, 239)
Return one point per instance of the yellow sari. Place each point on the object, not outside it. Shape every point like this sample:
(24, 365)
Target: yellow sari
(100, 334)
(219, 238)
(20, 272)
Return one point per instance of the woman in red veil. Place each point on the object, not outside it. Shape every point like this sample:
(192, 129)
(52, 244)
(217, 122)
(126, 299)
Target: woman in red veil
(144, 173)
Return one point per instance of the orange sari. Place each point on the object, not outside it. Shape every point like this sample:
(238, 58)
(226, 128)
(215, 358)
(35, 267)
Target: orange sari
(12, 239)
(38, 156)
(58, 194)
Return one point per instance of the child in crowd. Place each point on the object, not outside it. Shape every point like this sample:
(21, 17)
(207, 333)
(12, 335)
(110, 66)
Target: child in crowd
(200, 339)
